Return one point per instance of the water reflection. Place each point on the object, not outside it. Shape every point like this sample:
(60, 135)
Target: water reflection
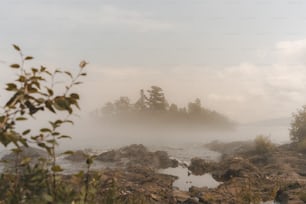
(186, 180)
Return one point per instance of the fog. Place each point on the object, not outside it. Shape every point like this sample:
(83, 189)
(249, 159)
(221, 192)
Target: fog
(182, 143)
(248, 67)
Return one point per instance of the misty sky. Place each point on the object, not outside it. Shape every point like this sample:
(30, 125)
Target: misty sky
(244, 58)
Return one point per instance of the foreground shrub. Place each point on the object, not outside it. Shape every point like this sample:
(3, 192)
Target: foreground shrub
(263, 144)
(298, 126)
(35, 90)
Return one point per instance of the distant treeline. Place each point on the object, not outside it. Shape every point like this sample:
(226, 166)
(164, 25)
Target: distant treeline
(153, 108)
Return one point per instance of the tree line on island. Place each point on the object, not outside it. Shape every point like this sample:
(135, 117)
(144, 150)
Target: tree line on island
(152, 107)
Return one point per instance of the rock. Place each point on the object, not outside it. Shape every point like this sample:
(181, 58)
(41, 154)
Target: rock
(77, 156)
(141, 182)
(197, 191)
(138, 155)
(200, 166)
(234, 167)
(31, 152)
(110, 156)
(164, 161)
(181, 196)
(134, 150)
(281, 197)
(191, 201)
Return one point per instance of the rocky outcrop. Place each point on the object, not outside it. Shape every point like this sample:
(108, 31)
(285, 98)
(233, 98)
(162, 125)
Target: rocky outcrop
(235, 167)
(26, 152)
(248, 176)
(77, 156)
(138, 155)
(139, 182)
(200, 166)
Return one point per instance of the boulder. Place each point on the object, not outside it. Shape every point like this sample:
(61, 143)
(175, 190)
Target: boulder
(77, 156)
(31, 153)
(200, 166)
(109, 156)
(281, 197)
(138, 155)
(234, 167)
(26, 152)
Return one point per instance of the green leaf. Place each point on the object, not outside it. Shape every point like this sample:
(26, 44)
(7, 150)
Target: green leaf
(55, 133)
(21, 118)
(52, 141)
(2, 118)
(48, 104)
(50, 92)
(11, 87)
(21, 78)
(15, 66)
(16, 47)
(56, 168)
(25, 161)
(67, 153)
(26, 132)
(69, 74)
(28, 58)
(34, 70)
(77, 83)
(61, 103)
(48, 198)
(75, 96)
(32, 90)
(64, 136)
(45, 130)
(68, 121)
(89, 161)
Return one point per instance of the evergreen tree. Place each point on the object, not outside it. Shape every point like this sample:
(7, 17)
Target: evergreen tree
(156, 100)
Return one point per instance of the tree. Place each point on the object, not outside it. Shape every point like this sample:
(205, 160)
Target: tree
(122, 105)
(140, 105)
(298, 126)
(173, 108)
(195, 108)
(156, 100)
(108, 108)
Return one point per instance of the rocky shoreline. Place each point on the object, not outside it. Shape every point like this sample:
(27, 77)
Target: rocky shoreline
(245, 175)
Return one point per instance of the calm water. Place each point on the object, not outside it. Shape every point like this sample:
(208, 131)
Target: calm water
(180, 144)
(185, 181)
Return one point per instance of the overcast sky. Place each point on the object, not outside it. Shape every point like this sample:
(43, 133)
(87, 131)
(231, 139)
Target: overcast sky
(240, 57)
